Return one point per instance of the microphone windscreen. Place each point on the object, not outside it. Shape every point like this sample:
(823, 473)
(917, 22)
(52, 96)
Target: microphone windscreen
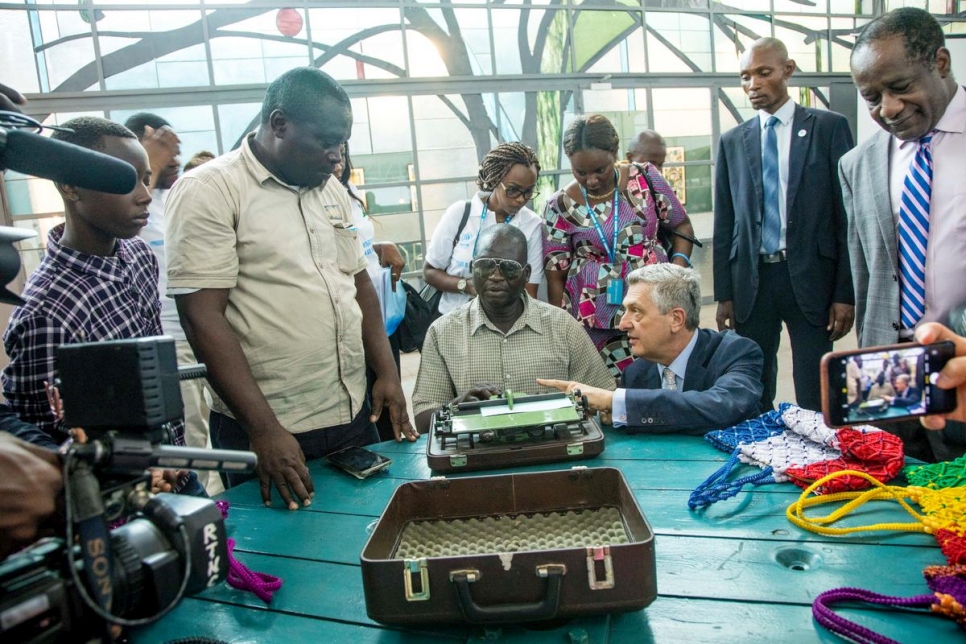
(67, 163)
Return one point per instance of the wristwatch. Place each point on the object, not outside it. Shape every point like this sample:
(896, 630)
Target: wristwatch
(461, 285)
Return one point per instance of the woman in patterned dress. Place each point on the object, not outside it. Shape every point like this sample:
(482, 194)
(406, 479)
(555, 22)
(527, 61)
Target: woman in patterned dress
(589, 251)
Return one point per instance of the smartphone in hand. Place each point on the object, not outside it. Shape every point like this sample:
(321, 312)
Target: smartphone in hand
(359, 462)
(885, 384)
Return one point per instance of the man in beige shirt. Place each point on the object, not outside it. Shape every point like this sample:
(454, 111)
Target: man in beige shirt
(273, 294)
(502, 339)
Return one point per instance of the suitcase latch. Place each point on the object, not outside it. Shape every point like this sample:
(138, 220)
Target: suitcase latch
(595, 554)
(418, 591)
(546, 570)
(457, 460)
(575, 449)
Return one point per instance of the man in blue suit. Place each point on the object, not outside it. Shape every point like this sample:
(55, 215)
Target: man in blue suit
(780, 237)
(686, 380)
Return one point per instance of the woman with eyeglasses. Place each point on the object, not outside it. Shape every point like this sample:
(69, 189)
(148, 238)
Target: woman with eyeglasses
(507, 179)
(603, 225)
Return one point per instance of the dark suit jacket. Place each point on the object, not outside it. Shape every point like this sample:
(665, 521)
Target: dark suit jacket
(722, 386)
(911, 396)
(816, 239)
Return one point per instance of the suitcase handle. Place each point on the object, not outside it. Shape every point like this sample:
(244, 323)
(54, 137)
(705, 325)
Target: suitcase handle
(507, 613)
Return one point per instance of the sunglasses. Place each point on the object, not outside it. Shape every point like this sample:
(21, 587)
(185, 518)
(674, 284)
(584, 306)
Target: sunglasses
(485, 266)
(514, 192)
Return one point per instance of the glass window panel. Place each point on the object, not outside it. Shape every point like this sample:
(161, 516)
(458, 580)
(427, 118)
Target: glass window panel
(65, 58)
(555, 111)
(445, 145)
(862, 7)
(195, 126)
(747, 5)
(29, 195)
(687, 33)
(626, 110)
(546, 42)
(732, 36)
(387, 126)
(236, 121)
(683, 117)
(255, 51)
(807, 43)
(16, 52)
(608, 41)
(424, 57)
(844, 31)
(816, 97)
(440, 196)
(798, 6)
(734, 108)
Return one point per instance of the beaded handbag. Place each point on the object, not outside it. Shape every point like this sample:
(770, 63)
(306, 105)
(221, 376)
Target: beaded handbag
(940, 491)
(794, 444)
(948, 598)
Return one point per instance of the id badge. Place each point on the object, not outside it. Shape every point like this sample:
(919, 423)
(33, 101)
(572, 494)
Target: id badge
(615, 292)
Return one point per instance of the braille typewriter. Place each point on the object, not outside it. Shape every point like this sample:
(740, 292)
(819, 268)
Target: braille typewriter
(513, 430)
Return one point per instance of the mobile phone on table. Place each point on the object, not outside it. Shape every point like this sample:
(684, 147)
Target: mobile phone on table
(359, 462)
(885, 384)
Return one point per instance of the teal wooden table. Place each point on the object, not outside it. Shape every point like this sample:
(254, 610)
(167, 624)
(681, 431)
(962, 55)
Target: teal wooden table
(735, 572)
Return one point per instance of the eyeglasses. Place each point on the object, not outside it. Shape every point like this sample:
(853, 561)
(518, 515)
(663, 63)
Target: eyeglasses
(514, 192)
(485, 266)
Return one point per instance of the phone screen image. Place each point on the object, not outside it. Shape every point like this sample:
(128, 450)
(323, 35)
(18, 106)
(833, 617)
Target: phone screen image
(358, 461)
(888, 384)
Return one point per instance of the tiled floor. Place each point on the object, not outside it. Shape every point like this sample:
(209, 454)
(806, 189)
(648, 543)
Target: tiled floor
(786, 388)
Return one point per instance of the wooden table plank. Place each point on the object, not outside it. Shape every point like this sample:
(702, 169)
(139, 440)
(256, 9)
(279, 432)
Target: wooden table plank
(720, 570)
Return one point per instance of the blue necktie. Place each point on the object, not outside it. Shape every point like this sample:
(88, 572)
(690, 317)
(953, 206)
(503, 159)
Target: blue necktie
(914, 233)
(771, 230)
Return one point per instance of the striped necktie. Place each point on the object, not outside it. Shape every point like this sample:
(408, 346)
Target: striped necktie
(670, 382)
(914, 234)
(771, 229)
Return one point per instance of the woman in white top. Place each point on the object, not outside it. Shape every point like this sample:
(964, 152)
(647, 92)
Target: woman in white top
(507, 179)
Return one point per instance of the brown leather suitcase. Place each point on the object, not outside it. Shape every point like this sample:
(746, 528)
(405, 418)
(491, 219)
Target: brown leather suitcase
(511, 548)
(566, 434)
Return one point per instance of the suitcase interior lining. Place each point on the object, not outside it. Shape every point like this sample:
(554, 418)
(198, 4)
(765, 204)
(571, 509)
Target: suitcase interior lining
(576, 528)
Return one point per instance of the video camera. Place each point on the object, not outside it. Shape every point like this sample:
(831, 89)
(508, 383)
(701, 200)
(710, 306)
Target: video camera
(125, 394)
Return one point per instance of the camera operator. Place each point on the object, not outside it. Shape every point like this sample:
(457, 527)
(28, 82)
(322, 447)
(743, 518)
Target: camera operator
(29, 489)
(953, 375)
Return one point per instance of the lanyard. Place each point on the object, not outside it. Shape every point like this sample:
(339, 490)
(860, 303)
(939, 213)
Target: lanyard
(506, 220)
(611, 250)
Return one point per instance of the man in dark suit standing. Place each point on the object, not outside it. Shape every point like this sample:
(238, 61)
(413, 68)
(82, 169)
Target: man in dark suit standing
(685, 379)
(780, 246)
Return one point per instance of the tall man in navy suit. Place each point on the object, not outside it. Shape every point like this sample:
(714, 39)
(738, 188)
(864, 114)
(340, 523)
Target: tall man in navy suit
(780, 242)
(685, 379)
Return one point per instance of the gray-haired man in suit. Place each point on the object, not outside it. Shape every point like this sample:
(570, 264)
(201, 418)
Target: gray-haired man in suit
(685, 380)
(903, 191)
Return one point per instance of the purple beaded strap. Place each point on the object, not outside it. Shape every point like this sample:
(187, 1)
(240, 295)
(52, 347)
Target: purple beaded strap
(242, 578)
(852, 631)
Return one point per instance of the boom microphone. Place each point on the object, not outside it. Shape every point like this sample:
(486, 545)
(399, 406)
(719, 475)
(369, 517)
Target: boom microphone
(62, 162)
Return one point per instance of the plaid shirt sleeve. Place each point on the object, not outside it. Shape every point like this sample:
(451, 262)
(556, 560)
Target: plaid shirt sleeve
(434, 386)
(30, 343)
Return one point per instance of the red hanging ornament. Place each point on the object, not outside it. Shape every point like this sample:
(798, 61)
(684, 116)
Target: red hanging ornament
(289, 22)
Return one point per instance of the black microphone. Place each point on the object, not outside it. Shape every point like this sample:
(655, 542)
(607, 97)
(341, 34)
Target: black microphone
(62, 162)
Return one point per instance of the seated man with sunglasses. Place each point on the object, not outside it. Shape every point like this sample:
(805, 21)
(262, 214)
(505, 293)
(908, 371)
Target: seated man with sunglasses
(685, 380)
(502, 339)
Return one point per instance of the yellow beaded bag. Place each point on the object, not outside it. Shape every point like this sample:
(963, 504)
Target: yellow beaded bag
(943, 512)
